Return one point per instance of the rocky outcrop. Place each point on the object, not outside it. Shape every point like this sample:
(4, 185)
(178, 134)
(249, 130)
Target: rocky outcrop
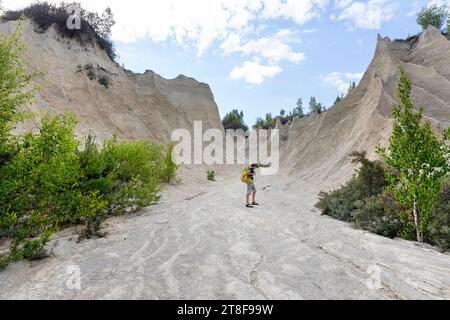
(318, 147)
(144, 106)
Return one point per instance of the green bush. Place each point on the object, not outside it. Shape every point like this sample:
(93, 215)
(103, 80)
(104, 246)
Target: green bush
(369, 181)
(211, 175)
(16, 90)
(439, 227)
(42, 188)
(340, 204)
(417, 205)
(91, 214)
(126, 173)
(137, 168)
(48, 182)
(44, 164)
(169, 167)
(51, 183)
(371, 176)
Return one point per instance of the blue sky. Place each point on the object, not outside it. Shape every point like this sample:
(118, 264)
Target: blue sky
(257, 55)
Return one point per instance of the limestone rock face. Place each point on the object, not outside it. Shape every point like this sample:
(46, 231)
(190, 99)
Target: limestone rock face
(144, 106)
(318, 148)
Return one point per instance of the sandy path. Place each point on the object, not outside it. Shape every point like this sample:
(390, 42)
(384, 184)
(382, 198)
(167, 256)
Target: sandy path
(202, 244)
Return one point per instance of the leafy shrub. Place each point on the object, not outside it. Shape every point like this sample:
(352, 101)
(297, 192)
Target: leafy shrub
(94, 28)
(136, 167)
(169, 167)
(371, 176)
(91, 214)
(439, 227)
(50, 183)
(369, 181)
(379, 214)
(340, 204)
(126, 173)
(40, 186)
(31, 249)
(211, 175)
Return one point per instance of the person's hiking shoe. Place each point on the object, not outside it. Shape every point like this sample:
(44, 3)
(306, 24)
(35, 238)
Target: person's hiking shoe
(249, 206)
(255, 204)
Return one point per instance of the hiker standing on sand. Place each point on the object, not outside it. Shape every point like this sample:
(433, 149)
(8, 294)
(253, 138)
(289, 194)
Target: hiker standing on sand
(251, 188)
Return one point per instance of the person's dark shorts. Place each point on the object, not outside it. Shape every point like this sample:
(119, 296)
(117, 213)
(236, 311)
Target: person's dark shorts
(251, 187)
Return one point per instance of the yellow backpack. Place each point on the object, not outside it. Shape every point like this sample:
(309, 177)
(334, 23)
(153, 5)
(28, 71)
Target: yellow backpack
(245, 178)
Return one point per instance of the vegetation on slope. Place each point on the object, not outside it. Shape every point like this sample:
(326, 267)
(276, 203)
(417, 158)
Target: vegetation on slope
(211, 175)
(407, 194)
(435, 16)
(50, 181)
(93, 27)
(234, 120)
(269, 121)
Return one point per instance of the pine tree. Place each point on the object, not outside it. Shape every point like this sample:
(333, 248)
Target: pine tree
(338, 99)
(351, 87)
(234, 120)
(315, 106)
(298, 111)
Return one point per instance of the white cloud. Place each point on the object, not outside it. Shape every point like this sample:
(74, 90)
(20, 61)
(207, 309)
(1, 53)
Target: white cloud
(365, 15)
(231, 44)
(340, 81)
(438, 3)
(274, 48)
(203, 23)
(238, 26)
(300, 11)
(253, 72)
(343, 3)
(200, 22)
(416, 6)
